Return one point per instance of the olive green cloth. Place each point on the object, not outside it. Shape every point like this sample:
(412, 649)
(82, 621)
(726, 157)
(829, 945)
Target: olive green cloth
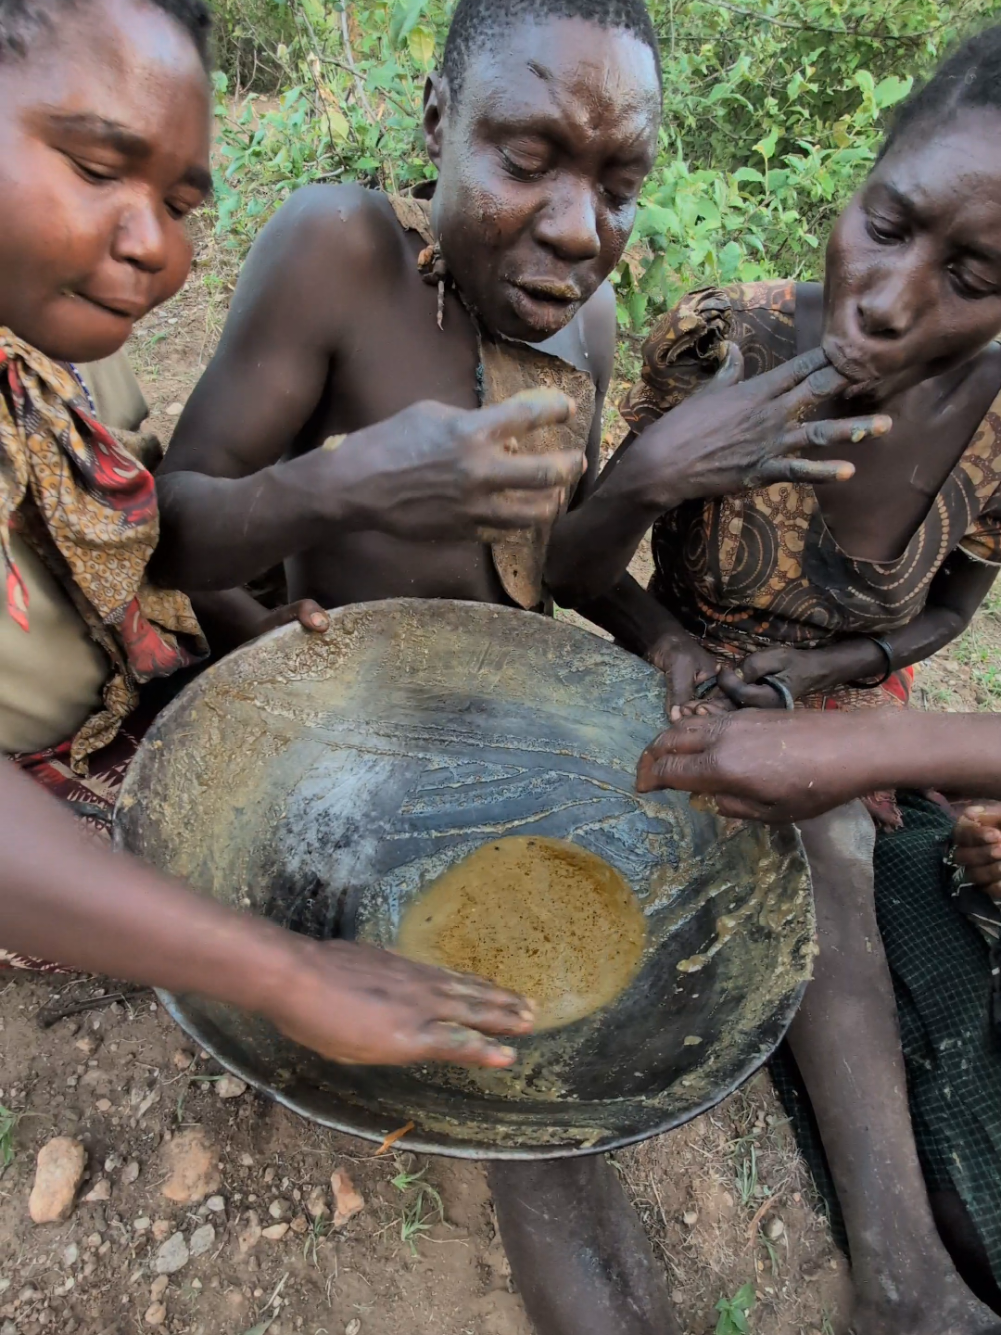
(941, 977)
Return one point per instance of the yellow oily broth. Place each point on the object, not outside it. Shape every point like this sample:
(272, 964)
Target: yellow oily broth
(542, 917)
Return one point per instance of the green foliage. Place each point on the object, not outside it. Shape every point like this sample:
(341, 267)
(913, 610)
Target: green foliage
(8, 1123)
(773, 110)
(734, 1312)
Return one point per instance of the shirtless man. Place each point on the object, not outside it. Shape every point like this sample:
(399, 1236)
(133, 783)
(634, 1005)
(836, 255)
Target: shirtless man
(542, 124)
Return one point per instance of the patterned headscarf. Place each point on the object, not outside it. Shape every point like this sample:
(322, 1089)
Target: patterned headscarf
(89, 509)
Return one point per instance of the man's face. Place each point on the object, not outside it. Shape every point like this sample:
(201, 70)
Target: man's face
(104, 142)
(540, 167)
(913, 279)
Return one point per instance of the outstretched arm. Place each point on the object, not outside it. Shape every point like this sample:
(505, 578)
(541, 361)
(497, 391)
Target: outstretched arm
(62, 898)
(792, 766)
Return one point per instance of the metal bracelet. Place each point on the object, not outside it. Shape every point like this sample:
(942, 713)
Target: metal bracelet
(880, 643)
(702, 690)
(782, 690)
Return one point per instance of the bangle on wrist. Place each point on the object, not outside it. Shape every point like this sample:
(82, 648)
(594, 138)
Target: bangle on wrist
(887, 652)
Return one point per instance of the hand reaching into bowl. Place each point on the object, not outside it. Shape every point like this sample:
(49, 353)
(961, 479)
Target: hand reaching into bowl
(355, 1003)
(83, 906)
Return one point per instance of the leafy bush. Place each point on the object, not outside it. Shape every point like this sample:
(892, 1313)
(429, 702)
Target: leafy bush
(772, 111)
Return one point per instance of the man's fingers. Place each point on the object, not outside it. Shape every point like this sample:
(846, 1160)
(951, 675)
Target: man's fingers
(532, 472)
(836, 431)
(482, 1006)
(738, 808)
(467, 1047)
(804, 470)
(525, 412)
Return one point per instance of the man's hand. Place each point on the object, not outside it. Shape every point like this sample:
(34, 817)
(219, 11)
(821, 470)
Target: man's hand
(736, 434)
(977, 839)
(435, 472)
(764, 766)
(354, 1003)
(309, 614)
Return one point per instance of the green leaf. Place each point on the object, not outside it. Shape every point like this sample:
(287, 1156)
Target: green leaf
(766, 146)
(404, 20)
(421, 44)
(888, 92)
(262, 1327)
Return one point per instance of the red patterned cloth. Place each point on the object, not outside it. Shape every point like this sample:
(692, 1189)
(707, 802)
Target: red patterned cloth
(88, 508)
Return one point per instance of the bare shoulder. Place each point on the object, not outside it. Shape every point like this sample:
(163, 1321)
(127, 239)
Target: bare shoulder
(325, 241)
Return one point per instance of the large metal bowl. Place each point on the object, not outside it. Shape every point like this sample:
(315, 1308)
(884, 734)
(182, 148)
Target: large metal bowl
(323, 781)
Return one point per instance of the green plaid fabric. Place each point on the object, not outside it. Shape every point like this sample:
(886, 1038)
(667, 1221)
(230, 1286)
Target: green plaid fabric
(941, 977)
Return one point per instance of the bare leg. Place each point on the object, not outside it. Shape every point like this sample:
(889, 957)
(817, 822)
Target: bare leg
(578, 1253)
(847, 1045)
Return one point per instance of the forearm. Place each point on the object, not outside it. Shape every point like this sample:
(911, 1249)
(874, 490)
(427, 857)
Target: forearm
(218, 533)
(228, 618)
(954, 753)
(591, 547)
(860, 658)
(64, 899)
(632, 615)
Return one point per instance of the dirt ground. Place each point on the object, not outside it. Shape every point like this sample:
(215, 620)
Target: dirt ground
(725, 1200)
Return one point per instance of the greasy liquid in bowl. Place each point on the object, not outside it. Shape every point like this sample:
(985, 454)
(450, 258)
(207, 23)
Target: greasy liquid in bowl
(539, 916)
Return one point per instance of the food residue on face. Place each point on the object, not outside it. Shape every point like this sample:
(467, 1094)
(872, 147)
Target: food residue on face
(540, 916)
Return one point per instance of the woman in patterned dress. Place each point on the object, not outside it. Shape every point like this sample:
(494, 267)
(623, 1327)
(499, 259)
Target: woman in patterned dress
(822, 595)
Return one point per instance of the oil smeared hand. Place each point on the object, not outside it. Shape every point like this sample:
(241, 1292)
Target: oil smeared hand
(357, 1004)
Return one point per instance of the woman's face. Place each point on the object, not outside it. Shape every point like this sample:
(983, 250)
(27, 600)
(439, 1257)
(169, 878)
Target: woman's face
(104, 144)
(913, 280)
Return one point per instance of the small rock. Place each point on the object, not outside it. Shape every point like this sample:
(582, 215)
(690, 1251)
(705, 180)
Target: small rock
(269, 1173)
(8, 1328)
(141, 1225)
(215, 1204)
(192, 1167)
(182, 1059)
(316, 1203)
(275, 1233)
(353, 1327)
(690, 1218)
(130, 1172)
(300, 1224)
(246, 1161)
(347, 1201)
(171, 1256)
(104, 1248)
(249, 1236)
(156, 1314)
(92, 1241)
(100, 1191)
(162, 1229)
(174, 409)
(230, 1088)
(112, 1162)
(86, 1044)
(103, 1105)
(158, 1288)
(71, 1254)
(278, 1209)
(58, 1174)
(774, 1230)
(202, 1240)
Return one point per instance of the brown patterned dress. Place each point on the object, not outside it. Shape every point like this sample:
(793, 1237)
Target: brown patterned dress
(762, 568)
